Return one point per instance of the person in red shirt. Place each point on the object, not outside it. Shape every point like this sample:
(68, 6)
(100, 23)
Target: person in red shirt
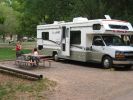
(18, 49)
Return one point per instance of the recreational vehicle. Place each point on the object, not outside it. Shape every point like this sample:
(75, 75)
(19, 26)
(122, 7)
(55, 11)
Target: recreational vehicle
(98, 40)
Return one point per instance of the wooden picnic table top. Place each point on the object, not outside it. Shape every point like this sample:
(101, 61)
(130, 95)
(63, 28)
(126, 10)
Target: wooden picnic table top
(39, 56)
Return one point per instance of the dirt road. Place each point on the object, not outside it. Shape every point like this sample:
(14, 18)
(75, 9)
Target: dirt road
(81, 81)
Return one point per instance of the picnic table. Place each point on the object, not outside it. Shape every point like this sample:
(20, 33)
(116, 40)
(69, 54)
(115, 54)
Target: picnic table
(32, 55)
(27, 62)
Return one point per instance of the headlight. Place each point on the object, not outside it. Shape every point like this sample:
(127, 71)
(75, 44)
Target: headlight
(119, 55)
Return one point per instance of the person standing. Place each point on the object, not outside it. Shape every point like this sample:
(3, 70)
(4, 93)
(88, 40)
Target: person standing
(18, 49)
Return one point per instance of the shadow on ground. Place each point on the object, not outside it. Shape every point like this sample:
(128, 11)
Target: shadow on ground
(93, 65)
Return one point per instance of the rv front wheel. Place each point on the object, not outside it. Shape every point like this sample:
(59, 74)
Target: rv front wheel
(56, 58)
(107, 62)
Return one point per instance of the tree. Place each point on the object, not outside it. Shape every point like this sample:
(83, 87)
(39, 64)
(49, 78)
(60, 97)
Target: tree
(30, 13)
(9, 21)
(120, 9)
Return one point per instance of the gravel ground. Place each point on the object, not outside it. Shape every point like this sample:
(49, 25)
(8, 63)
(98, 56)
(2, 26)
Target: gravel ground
(82, 81)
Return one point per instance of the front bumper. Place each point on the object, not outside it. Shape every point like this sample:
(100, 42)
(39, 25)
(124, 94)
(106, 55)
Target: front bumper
(117, 62)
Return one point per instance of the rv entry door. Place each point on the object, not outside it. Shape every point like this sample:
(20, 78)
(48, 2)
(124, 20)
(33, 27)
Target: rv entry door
(65, 44)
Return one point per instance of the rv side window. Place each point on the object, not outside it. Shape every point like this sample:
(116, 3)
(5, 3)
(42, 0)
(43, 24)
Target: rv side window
(96, 26)
(45, 35)
(118, 26)
(75, 37)
(97, 41)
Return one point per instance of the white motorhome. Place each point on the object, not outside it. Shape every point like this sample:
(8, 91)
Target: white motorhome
(86, 40)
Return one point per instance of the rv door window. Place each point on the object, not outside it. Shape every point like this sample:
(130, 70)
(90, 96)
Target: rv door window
(75, 37)
(63, 47)
(45, 35)
(64, 31)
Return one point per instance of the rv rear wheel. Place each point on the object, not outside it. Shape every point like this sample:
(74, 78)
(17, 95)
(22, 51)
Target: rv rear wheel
(56, 58)
(107, 62)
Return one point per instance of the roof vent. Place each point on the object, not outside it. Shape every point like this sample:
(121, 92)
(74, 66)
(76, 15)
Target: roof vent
(80, 19)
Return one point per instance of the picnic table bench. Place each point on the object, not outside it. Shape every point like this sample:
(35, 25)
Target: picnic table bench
(24, 63)
(42, 59)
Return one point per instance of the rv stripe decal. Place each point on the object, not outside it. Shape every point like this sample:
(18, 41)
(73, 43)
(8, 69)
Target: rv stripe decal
(54, 42)
(81, 47)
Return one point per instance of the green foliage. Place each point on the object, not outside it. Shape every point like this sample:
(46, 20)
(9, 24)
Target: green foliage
(22, 16)
(2, 19)
(9, 18)
(120, 9)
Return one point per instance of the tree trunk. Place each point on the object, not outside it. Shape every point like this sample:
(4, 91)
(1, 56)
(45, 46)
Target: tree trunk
(3, 38)
(19, 37)
(10, 36)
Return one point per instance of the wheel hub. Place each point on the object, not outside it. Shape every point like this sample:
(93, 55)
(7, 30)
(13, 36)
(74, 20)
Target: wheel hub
(106, 63)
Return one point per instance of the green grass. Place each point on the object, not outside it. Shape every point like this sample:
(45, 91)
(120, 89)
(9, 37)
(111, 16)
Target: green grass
(12, 45)
(29, 90)
(19, 89)
(9, 53)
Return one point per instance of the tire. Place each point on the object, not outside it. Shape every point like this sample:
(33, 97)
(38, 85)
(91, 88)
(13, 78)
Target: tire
(107, 62)
(55, 57)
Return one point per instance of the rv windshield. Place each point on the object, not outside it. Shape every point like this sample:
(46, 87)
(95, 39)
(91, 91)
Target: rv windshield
(113, 40)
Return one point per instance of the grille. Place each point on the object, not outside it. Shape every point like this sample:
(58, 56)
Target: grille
(129, 55)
